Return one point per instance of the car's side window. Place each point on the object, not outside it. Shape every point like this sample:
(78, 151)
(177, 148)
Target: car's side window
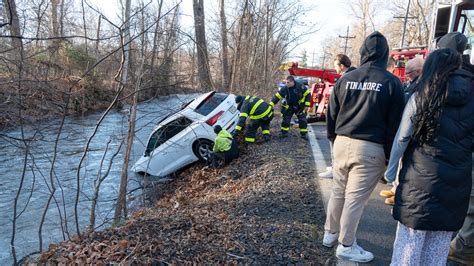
(166, 132)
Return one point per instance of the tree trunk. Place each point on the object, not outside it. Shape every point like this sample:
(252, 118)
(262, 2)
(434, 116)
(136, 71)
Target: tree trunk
(127, 41)
(54, 19)
(225, 51)
(121, 200)
(155, 38)
(202, 56)
(15, 30)
(265, 47)
(98, 35)
(237, 50)
(62, 14)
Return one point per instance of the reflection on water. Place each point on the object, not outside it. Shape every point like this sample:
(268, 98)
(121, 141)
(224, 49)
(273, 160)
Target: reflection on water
(36, 186)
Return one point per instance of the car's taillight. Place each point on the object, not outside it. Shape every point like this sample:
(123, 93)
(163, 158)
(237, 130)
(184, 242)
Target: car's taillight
(230, 125)
(213, 119)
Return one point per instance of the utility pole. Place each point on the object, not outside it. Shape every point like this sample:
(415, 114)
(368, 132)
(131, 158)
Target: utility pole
(312, 58)
(406, 17)
(324, 58)
(346, 38)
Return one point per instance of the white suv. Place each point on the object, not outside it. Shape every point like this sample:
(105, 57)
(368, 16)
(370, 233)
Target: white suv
(187, 136)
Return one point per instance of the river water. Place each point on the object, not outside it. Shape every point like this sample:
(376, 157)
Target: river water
(36, 185)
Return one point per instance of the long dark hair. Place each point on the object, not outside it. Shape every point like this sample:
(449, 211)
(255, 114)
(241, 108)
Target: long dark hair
(431, 92)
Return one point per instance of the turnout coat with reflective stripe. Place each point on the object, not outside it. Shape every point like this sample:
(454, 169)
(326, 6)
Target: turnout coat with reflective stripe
(297, 97)
(254, 108)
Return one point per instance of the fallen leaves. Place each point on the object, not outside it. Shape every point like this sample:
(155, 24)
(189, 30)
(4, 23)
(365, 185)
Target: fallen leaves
(261, 209)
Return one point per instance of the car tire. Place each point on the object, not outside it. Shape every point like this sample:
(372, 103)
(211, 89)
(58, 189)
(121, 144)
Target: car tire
(202, 148)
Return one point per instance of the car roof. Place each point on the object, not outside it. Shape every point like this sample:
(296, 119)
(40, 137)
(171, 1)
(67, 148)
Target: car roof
(188, 111)
(196, 102)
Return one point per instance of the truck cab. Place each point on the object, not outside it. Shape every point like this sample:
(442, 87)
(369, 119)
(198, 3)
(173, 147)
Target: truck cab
(455, 16)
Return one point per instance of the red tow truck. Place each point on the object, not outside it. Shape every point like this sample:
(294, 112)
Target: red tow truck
(320, 90)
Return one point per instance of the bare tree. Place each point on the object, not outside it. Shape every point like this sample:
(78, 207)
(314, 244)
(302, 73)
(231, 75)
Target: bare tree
(418, 22)
(234, 72)
(224, 45)
(156, 37)
(126, 33)
(100, 178)
(365, 12)
(201, 45)
(14, 22)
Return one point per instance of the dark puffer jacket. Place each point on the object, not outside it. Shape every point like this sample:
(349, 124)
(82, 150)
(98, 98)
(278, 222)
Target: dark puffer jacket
(435, 179)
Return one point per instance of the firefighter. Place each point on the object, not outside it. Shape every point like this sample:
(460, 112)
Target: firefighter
(295, 99)
(260, 114)
(225, 148)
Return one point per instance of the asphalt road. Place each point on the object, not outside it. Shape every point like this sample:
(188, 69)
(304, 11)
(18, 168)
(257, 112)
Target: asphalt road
(376, 232)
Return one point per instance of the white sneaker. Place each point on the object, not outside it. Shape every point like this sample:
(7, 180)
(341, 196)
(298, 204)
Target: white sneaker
(327, 174)
(330, 240)
(353, 253)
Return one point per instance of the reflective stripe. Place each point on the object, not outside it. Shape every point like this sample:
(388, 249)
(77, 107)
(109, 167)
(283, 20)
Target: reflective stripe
(255, 106)
(250, 139)
(307, 103)
(278, 95)
(246, 98)
(285, 128)
(255, 117)
(238, 128)
(286, 106)
(264, 132)
(244, 114)
(304, 96)
(303, 130)
(272, 104)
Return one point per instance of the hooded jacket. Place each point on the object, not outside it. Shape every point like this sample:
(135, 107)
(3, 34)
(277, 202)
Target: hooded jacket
(367, 103)
(223, 141)
(435, 179)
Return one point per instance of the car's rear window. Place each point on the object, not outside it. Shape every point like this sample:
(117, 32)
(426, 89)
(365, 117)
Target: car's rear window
(210, 103)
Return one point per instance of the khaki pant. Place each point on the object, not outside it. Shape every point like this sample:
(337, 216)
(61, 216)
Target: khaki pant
(358, 165)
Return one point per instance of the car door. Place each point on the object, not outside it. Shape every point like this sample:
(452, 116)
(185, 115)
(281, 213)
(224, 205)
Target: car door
(168, 147)
(230, 116)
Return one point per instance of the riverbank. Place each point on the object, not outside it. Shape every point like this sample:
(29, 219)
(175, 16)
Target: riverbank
(264, 208)
(44, 100)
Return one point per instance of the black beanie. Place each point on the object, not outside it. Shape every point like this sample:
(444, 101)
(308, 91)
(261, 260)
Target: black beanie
(217, 129)
(239, 98)
(453, 40)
